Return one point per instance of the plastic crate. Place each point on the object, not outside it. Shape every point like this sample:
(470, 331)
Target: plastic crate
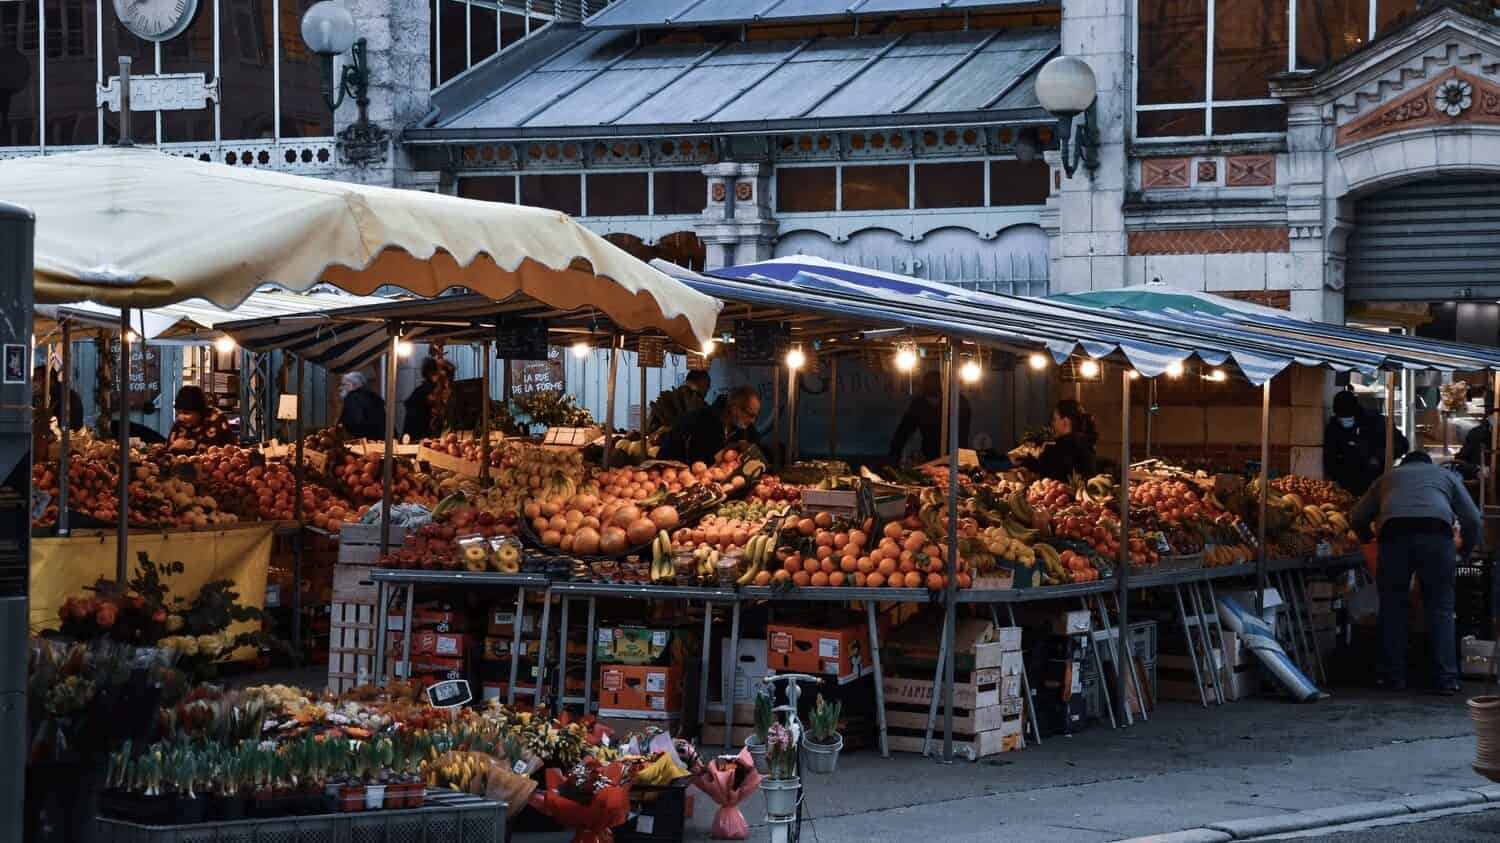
(658, 814)
(447, 819)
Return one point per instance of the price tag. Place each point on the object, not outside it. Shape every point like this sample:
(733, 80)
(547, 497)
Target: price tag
(658, 638)
(273, 596)
(449, 694)
(519, 768)
(645, 824)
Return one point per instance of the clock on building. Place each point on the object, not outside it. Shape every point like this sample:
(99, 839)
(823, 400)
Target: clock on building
(156, 20)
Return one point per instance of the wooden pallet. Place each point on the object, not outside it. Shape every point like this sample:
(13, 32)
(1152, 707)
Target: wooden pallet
(972, 745)
(351, 645)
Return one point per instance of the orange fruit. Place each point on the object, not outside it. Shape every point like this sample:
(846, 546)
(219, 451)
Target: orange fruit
(875, 580)
(848, 564)
(782, 575)
(907, 557)
(793, 564)
(935, 565)
(811, 566)
(915, 541)
(893, 530)
(819, 579)
(913, 579)
(860, 578)
(836, 579)
(935, 582)
(840, 540)
(859, 538)
(964, 580)
(824, 551)
(828, 566)
(907, 566)
(865, 564)
(887, 567)
(801, 579)
(764, 577)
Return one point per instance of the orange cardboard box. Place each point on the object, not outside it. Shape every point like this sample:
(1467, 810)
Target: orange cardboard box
(652, 691)
(446, 644)
(843, 652)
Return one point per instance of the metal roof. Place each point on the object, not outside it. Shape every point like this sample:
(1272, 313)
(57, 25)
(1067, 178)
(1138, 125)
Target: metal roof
(642, 14)
(602, 83)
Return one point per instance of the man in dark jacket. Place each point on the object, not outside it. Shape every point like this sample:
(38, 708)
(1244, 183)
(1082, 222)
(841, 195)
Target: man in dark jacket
(701, 435)
(1354, 444)
(1413, 508)
(74, 413)
(925, 414)
(363, 414)
(675, 404)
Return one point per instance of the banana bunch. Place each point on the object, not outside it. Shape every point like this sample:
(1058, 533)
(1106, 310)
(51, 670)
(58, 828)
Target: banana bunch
(661, 558)
(999, 542)
(704, 560)
(1100, 487)
(757, 554)
(1020, 508)
(1018, 531)
(560, 485)
(1226, 554)
(1051, 561)
(1318, 517)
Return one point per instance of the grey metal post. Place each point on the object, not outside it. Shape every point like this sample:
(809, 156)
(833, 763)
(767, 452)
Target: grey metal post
(125, 139)
(1265, 491)
(484, 413)
(122, 435)
(17, 232)
(1390, 420)
(950, 588)
(644, 414)
(388, 470)
(833, 413)
(792, 431)
(65, 446)
(609, 403)
(1122, 573)
(297, 510)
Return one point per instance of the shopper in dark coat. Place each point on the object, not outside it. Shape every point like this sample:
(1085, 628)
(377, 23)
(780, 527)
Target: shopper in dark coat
(363, 415)
(1354, 444)
(1071, 450)
(419, 416)
(925, 414)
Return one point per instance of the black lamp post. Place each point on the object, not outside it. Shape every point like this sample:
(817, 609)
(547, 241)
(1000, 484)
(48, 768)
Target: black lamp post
(328, 30)
(1066, 88)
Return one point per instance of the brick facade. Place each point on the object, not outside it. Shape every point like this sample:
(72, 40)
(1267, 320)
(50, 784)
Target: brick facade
(1210, 241)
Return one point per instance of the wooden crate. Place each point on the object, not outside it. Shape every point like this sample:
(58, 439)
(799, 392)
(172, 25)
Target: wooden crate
(981, 689)
(351, 645)
(1009, 737)
(448, 462)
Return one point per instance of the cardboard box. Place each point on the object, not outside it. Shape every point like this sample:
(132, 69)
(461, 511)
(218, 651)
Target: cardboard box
(498, 648)
(842, 653)
(631, 644)
(435, 619)
(750, 667)
(446, 644)
(501, 622)
(1009, 638)
(1076, 622)
(428, 666)
(651, 691)
(916, 642)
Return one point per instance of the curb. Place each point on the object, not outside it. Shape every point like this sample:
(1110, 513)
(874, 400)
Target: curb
(1228, 830)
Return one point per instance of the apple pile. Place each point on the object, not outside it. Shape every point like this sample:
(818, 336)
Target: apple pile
(770, 488)
(362, 475)
(718, 532)
(466, 449)
(1174, 501)
(91, 489)
(1049, 494)
(591, 525)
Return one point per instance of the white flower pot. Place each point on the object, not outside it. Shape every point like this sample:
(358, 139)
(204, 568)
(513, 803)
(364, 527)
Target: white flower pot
(821, 757)
(374, 797)
(758, 755)
(781, 796)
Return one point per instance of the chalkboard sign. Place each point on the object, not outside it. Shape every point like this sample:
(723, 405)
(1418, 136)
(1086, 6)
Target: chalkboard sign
(528, 376)
(449, 694)
(653, 352)
(760, 343)
(145, 373)
(521, 339)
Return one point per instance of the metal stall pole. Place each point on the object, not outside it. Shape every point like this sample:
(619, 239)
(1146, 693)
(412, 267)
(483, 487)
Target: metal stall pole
(515, 646)
(541, 650)
(708, 638)
(588, 655)
(872, 620)
(1300, 583)
(1265, 491)
(484, 414)
(562, 653)
(775, 402)
(1390, 420)
(65, 444)
(1124, 659)
(1196, 600)
(1489, 482)
(791, 415)
(122, 435)
(950, 587)
(645, 411)
(382, 624)
(833, 423)
(1122, 573)
(615, 342)
(388, 470)
(943, 431)
(297, 511)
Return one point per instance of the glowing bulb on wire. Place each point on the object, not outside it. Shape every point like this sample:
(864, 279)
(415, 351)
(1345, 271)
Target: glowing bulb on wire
(1174, 369)
(906, 359)
(969, 372)
(224, 345)
(1038, 361)
(1089, 369)
(581, 349)
(1134, 375)
(1218, 376)
(403, 348)
(708, 348)
(795, 359)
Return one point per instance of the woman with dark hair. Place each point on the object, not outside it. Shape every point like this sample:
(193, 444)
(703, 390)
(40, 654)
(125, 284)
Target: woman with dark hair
(421, 422)
(198, 424)
(1071, 450)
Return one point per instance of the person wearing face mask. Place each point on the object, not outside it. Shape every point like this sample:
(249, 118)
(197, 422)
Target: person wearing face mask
(702, 434)
(1071, 450)
(363, 414)
(925, 414)
(1354, 444)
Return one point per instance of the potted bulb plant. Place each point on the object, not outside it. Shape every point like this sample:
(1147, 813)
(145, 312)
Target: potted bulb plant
(351, 791)
(822, 741)
(756, 743)
(781, 783)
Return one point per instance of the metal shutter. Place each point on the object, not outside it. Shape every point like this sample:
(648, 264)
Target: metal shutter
(1430, 241)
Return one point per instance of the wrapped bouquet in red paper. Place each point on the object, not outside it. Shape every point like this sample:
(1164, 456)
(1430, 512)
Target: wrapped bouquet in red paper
(587, 799)
(729, 780)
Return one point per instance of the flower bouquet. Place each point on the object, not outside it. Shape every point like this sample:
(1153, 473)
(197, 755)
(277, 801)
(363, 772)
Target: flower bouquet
(729, 780)
(588, 799)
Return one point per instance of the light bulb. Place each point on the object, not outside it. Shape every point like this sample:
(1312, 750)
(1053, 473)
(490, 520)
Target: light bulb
(795, 359)
(906, 359)
(1218, 376)
(403, 348)
(1134, 374)
(708, 348)
(224, 344)
(1038, 361)
(1089, 369)
(581, 349)
(1174, 369)
(132, 337)
(969, 372)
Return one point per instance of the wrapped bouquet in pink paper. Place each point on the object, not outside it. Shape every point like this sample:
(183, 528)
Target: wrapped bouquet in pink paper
(728, 780)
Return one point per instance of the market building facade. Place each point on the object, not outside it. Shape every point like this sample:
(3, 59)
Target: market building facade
(1334, 159)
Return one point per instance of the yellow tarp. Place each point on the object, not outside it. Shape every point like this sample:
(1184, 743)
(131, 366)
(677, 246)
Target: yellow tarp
(62, 567)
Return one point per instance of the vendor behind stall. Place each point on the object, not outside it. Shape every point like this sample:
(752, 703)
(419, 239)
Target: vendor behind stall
(1354, 444)
(423, 419)
(702, 434)
(675, 404)
(74, 412)
(925, 414)
(198, 424)
(1071, 450)
(363, 415)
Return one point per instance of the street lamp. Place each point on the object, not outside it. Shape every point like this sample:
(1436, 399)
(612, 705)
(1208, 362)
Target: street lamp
(1066, 88)
(328, 30)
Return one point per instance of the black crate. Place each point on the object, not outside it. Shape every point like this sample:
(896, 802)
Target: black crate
(658, 814)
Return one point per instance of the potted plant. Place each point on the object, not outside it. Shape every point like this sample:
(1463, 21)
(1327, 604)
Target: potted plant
(228, 803)
(822, 741)
(781, 784)
(181, 766)
(349, 789)
(374, 761)
(756, 743)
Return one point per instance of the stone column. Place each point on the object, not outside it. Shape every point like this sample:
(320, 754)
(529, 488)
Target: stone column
(737, 225)
(1085, 217)
(396, 33)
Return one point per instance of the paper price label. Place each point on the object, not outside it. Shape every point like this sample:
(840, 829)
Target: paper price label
(828, 648)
